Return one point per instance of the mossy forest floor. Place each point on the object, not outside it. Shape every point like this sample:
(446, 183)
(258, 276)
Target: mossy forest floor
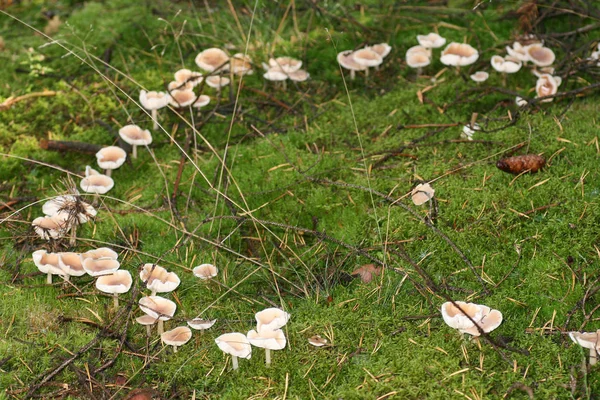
(289, 191)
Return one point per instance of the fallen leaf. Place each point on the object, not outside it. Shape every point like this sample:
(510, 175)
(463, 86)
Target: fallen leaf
(366, 272)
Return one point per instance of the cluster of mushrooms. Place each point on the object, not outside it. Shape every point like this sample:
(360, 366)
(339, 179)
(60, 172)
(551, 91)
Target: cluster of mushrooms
(363, 59)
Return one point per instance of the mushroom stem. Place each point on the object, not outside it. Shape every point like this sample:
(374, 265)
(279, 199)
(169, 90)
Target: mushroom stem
(148, 330)
(419, 71)
(593, 356)
(174, 349)
(366, 73)
(49, 278)
(234, 361)
(352, 74)
(268, 357)
(73, 240)
(107, 172)
(504, 79)
(115, 300)
(285, 85)
(161, 327)
(134, 151)
(153, 293)
(155, 119)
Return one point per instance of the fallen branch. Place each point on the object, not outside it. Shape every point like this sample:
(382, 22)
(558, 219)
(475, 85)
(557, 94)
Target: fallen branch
(8, 103)
(61, 145)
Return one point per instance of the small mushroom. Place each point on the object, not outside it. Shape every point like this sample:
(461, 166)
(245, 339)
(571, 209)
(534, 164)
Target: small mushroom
(299, 75)
(417, 60)
(48, 264)
(158, 307)
(469, 130)
(100, 252)
(271, 319)
(186, 76)
(285, 64)
(547, 85)
(217, 82)
(517, 51)
(116, 283)
(588, 340)
(317, 341)
(240, 64)
(182, 98)
(111, 157)
(486, 319)
(201, 101)
(213, 59)
(100, 266)
(235, 344)
(135, 136)
(154, 101)
(71, 263)
(539, 55)
(72, 210)
(205, 271)
(431, 40)
(201, 324)
(147, 321)
(383, 49)
(158, 279)
(422, 193)
(268, 340)
(480, 76)
(176, 337)
(53, 227)
(95, 182)
(367, 58)
(459, 54)
(346, 60)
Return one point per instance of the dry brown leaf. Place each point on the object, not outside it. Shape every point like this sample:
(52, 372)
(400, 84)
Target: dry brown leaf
(366, 272)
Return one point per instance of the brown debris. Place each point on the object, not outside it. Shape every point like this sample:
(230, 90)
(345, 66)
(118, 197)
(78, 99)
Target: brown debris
(521, 164)
(366, 272)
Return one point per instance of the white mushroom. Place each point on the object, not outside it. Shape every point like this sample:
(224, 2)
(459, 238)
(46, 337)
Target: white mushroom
(154, 101)
(235, 344)
(213, 59)
(201, 324)
(71, 263)
(116, 283)
(240, 64)
(383, 49)
(346, 60)
(268, 340)
(201, 101)
(486, 319)
(186, 76)
(100, 266)
(271, 319)
(480, 76)
(508, 65)
(100, 252)
(48, 264)
(517, 51)
(539, 55)
(588, 340)
(182, 98)
(51, 227)
(95, 182)
(422, 193)
(367, 58)
(317, 341)
(431, 40)
(469, 130)
(135, 136)
(459, 54)
(111, 157)
(147, 321)
(176, 337)
(547, 85)
(285, 64)
(205, 271)
(158, 279)
(159, 308)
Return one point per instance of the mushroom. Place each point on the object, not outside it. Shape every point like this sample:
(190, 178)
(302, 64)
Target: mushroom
(235, 344)
(490, 320)
(201, 324)
(459, 54)
(480, 76)
(521, 102)
(116, 283)
(217, 82)
(271, 319)
(174, 85)
(72, 210)
(186, 76)
(486, 318)
(176, 337)
(71, 263)
(159, 308)
(539, 55)
(201, 101)
(285, 64)
(469, 130)
(431, 40)
(53, 227)
(135, 136)
(100, 266)
(147, 321)
(205, 271)
(517, 51)
(588, 340)
(268, 340)
(422, 193)
(182, 98)
(506, 65)
(111, 157)
(317, 341)
(383, 49)
(299, 75)
(48, 264)
(240, 64)
(367, 58)
(213, 59)
(346, 60)
(418, 60)
(547, 85)
(276, 75)
(100, 252)
(419, 50)
(158, 279)
(154, 101)
(95, 182)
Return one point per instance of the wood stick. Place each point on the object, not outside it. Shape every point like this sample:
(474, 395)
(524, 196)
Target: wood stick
(61, 145)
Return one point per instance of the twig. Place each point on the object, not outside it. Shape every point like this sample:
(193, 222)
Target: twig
(8, 103)
(61, 145)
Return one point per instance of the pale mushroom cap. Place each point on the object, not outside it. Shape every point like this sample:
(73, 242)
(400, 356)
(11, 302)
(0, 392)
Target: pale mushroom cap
(71, 263)
(418, 50)
(201, 324)
(53, 227)
(100, 252)
(240, 64)
(111, 157)
(456, 319)
(134, 135)
(154, 100)
(346, 60)
(431, 40)
(285, 64)
(317, 341)
(422, 193)
(97, 183)
(517, 51)
(186, 75)
(543, 70)
(546, 85)
(469, 130)
(100, 266)
(63, 207)
(174, 85)
(459, 54)
(299, 75)
(275, 75)
(211, 59)
(520, 101)
(216, 81)
(176, 337)
(367, 58)
(588, 340)
(58, 204)
(507, 65)
(146, 320)
(117, 282)
(490, 320)
(236, 344)
(47, 262)
(182, 98)
(383, 49)
(267, 339)
(159, 279)
(417, 60)
(202, 101)
(271, 319)
(158, 307)
(205, 271)
(480, 76)
(540, 55)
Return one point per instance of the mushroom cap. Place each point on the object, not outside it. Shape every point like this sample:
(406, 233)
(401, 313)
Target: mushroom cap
(100, 252)
(158, 307)
(188, 76)
(267, 339)
(146, 320)
(117, 282)
(201, 324)
(507, 65)
(53, 227)
(490, 320)
(469, 130)
(176, 337)
(70, 209)
(299, 75)
(135, 136)
(202, 101)
(175, 85)
(71, 263)
(346, 60)
(547, 85)
(383, 49)
(459, 54)
(154, 100)
(47, 262)
(285, 64)
(95, 182)
(456, 319)
(521, 102)
(431, 40)
(367, 57)
(418, 50)
(271, 319)
(111, 157)
(205, 271)
(317, 341)
(422, 193)
(517, 51)
(216, 81)
(158, 279)
(241, 64)
(275, 75)
(480, 76)
(588, 340)
(182, 98)
(543, 70)
(100, 266)
(236, 344)
(539, 55)
(211, 59)
(417, 60)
